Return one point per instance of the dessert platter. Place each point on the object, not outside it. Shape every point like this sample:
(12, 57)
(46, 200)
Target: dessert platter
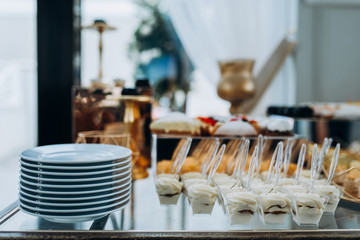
(247, 183)
(238, 125)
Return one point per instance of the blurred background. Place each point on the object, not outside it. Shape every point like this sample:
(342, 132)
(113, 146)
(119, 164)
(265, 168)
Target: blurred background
(45, 51)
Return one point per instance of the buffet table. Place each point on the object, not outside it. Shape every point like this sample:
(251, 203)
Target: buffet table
(145, 218)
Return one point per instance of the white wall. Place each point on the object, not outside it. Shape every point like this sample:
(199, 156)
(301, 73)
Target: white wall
(18, 125)
(328, 55)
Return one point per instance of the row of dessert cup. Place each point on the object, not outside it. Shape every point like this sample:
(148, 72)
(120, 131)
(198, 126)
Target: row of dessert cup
(244, 197)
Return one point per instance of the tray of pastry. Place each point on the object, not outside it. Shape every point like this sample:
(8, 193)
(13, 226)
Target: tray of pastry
(179, 124)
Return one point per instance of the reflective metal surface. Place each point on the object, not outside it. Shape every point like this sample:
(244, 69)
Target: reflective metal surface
(144, 213)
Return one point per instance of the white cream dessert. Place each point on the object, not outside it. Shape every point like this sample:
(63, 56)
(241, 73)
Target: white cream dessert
(287, 181)
(275, 126)
(221, 177)
(264, 188)
(276, 206)
(332, 195)
(242, 206)
(192, 181)
(226, 187)
(176, 122)
(190, 175)
(202, 198)
(168, 175)
(226, 183)
(296, 188)
(236, 128)
(168, 189)
(264, 175)
(279, 125)
(309, 208)
(306, 173)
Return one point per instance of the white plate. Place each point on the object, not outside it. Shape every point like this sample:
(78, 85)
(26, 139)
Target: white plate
(75, 165)
(77, 168)
(86, 173)
(76, 180)
(79, 210)
(77, 194)
(75, 153)
(53, 184)
(71, 218)
(50, 197)
(77, 204)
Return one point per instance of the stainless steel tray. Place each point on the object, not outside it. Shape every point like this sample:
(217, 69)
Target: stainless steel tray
(144, 217)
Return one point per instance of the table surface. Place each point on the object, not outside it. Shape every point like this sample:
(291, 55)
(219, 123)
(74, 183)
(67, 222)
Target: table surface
(144, 217)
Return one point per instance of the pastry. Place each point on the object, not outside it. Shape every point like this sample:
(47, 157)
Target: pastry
(164, 166)
(176, 123)
(191, 165)
(209, 125)
(236, 128)
(276, 126)
(352, 182)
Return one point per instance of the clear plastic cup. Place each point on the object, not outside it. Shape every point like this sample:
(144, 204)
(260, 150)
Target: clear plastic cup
(307, 208)
(241, 205)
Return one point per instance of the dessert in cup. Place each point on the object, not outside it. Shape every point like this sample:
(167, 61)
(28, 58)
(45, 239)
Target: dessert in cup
(168, 186)
(308, 207)
(202, 196)
(242, 203)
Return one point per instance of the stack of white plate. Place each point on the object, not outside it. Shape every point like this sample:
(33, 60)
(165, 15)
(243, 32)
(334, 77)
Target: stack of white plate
(74, 182)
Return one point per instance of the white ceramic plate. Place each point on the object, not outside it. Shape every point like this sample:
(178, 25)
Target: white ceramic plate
(77, 194)
(74, 210)
(119, 167)
(75, 153)
(75, 204)
(71, 218)
(99, 167)
(63, 185)
(88, 197)
(76, 180)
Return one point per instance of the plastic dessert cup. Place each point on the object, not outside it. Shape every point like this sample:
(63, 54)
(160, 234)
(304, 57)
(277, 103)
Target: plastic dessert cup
(307, 208)
(168, 189)
(333, 195)
(241, 206)
(275, 203)
(276, 206)
(202, 198)
(226, 187)
(189, 182)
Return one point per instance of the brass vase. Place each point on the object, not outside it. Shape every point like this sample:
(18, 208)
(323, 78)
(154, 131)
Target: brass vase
(237, 83)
